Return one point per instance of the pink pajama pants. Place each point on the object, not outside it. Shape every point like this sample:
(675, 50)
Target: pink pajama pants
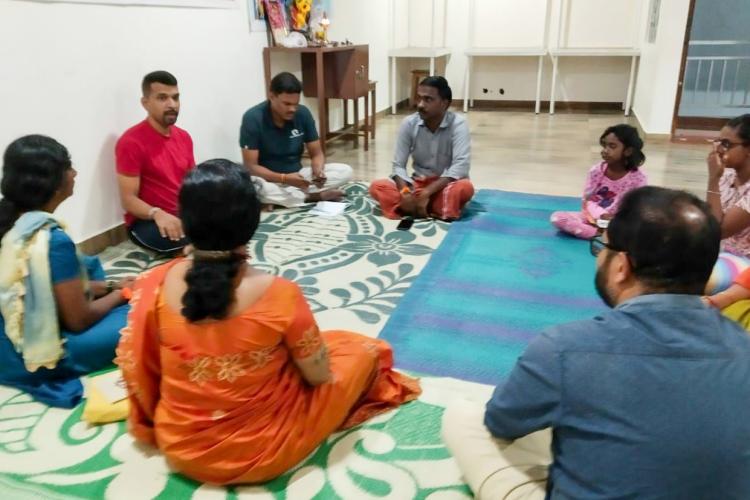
(573, 223)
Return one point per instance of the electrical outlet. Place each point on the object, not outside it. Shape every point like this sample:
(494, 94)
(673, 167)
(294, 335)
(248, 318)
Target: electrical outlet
(502, 91)
(485, 91)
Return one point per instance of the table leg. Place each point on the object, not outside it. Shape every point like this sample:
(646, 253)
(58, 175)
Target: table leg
(467, 83)
(554, 82)
(356, 122)
(322, 122)
(432, 66)
(393, 85)
(629, 97)
(367, 121)
(537, 106)
(374, 112)
(267, 68)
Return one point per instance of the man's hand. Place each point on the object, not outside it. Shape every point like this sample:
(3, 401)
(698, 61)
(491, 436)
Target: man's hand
(319, 177)
(296, 180)
(422, 203)
(169, 225)
(408, 204)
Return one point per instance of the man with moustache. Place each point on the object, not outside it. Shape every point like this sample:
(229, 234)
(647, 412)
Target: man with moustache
(273, 135)
(648, 400)
(152, 158)
(439, 142)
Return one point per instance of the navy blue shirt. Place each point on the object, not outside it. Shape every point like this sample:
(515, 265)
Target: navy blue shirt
(279, 148)
(650, 400)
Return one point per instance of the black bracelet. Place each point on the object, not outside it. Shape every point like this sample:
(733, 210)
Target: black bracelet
(110, 286)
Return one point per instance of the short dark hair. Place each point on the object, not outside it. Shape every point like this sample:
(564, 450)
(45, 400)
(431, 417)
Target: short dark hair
(671, 238)
(441, 84)
(285, 83)
(33, 171)
(163, 77)
(741, 124)
(628, 136)
(220, 211)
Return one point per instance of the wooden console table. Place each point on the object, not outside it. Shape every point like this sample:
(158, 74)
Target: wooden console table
(342, 72)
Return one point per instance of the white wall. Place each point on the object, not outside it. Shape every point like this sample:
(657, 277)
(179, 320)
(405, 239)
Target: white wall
(659, 69)
(73, 72)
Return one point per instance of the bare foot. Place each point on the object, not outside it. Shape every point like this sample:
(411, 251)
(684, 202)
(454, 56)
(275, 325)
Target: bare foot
(329, 195)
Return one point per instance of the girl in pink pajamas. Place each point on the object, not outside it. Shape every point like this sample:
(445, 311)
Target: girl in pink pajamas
(607, 182)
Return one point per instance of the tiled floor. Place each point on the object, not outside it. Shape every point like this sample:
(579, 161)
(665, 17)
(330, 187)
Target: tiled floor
(546, 154)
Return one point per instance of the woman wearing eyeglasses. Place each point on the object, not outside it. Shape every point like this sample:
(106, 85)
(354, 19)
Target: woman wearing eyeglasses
(728, 194)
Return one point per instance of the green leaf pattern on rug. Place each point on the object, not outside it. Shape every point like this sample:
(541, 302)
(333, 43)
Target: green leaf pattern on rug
(376, 295)
(356, 263)
(385, 250)
(397, 455)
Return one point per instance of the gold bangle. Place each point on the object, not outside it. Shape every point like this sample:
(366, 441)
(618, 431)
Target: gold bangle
(713, 192)
(283, 178)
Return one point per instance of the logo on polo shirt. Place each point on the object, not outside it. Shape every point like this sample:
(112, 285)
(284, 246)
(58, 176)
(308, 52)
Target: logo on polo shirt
(296, 133)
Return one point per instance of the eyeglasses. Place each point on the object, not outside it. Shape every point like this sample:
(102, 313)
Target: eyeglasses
(726, 143)
(597, 244)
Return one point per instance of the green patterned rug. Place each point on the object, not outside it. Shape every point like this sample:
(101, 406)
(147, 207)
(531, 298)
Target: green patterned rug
(353, 269)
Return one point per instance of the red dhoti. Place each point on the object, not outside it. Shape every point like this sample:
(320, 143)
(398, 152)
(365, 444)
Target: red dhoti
(446, 204)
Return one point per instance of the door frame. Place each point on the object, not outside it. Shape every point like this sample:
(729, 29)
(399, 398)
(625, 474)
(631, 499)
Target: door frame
(690, 122)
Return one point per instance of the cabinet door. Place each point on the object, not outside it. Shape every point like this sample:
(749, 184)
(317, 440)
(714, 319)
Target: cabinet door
(346, 73)
(361, 69)
(352, 72)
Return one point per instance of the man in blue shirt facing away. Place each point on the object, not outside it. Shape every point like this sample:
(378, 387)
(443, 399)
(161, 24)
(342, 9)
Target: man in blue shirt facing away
(649, 400)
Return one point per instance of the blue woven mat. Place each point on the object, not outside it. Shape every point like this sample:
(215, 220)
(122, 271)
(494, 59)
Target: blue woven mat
(500, 276)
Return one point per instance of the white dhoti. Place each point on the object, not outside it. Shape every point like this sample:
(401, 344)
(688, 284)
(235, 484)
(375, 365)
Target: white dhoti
(494, 468)
(337, 174)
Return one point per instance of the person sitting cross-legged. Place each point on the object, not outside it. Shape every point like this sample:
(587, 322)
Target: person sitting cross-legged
(439, 142)
(646, 400)
(273, 136)
(59, 318)
(152, 158)
(226, 368)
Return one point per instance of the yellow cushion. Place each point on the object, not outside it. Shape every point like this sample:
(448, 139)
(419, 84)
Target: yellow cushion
(100, 411)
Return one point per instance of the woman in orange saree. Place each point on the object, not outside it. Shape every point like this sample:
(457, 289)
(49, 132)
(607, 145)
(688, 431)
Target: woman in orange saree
(226, 370)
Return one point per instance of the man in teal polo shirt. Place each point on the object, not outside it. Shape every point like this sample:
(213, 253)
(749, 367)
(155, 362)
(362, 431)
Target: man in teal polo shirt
(273, 135)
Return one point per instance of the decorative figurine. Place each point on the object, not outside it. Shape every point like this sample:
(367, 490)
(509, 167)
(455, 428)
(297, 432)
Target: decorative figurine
(300, 11)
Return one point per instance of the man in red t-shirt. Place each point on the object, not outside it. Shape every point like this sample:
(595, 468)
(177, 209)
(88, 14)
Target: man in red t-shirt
(152, 158)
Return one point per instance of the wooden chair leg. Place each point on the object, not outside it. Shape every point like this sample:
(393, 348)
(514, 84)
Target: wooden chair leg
(346, 112)
(367, 122)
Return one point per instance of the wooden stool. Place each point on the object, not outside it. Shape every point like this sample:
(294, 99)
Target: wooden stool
(417, 76)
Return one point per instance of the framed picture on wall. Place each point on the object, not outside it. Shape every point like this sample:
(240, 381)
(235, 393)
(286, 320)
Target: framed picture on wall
(256, 15)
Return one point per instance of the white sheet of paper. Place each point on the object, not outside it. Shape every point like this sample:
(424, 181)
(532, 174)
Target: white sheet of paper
(111, 385)
(328, 208)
